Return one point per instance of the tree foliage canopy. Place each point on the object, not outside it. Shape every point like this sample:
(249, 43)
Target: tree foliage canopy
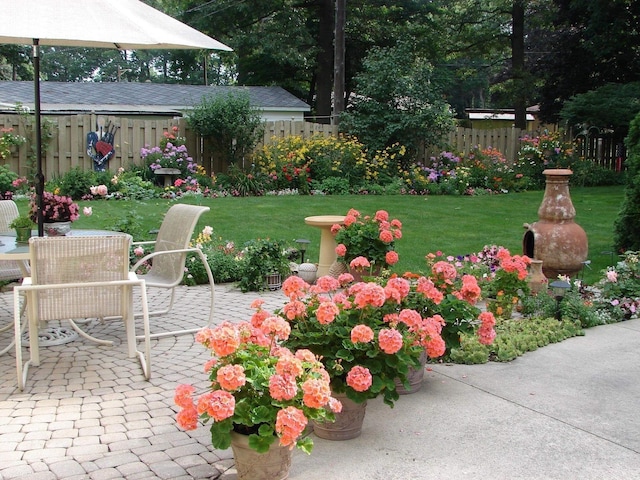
(571, 47)
(397, 101)
(611, 106)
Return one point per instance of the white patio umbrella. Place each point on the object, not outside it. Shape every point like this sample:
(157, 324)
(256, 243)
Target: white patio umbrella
(120, 24)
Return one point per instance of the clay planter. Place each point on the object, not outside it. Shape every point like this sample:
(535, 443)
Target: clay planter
(536, 280)
(555, 238)
(348, 422)
(251, 465)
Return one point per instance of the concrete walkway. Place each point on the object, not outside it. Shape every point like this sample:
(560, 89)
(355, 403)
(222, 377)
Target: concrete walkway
(569, 410)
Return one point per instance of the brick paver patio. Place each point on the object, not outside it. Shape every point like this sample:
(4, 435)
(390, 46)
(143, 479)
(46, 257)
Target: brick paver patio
(87, 411)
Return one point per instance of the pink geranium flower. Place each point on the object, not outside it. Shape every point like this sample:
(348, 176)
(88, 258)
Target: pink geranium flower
(359, 378)
(248, 368)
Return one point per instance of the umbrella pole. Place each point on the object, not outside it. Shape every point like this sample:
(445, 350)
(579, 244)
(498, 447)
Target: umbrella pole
(39, 180)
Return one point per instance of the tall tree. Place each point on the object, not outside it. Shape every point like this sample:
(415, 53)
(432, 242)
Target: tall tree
(398, 102)
(517, 64)
(17, 63)
(592, 43)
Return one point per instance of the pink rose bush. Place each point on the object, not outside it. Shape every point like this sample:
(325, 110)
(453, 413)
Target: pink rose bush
(365, 333)
(366, 243)
(257, 386)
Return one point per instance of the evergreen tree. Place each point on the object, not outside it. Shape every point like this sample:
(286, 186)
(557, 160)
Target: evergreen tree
(627, 225)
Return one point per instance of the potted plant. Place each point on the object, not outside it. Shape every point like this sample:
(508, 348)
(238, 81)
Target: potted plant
(22, 225)
(260, 395)
(367, 243)
(264, 264)
(364, 336)
(58, 211)
(507, 282)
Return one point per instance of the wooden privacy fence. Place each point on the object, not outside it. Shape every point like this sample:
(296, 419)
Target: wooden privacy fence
(464, 140)
(67, 147)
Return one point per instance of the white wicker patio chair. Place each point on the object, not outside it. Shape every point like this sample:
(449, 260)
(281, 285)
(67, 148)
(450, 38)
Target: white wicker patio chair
(10, 269)
(76, 278)
(169, 257)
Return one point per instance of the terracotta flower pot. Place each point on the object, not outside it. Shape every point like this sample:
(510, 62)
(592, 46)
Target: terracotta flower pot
(251, 465)
(348, 423)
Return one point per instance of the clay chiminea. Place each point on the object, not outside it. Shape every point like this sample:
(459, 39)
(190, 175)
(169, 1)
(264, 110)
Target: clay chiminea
(555, 238)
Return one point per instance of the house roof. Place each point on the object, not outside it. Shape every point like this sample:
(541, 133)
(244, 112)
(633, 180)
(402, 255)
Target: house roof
(498, 114)
(131, 98)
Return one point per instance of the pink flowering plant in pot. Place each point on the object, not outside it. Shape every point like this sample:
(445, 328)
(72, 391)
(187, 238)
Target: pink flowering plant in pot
(257, 387)
(507, 283)
(449, 291)
(55, 208)
(363, 332)
(367, 243)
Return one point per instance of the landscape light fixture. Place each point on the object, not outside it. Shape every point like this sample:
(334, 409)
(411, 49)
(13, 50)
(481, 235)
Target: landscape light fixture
(559, 289)
(303, 245)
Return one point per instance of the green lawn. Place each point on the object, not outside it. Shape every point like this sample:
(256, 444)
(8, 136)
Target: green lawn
(453, 224)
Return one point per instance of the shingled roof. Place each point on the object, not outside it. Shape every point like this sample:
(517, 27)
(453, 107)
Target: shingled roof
(137, 98)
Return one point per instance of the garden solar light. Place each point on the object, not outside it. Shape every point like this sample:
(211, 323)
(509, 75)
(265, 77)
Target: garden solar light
(303, 245)
(559, 288)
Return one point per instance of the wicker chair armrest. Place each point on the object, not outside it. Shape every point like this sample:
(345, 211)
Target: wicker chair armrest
(163, 252)
(143, 242)
(27, 285)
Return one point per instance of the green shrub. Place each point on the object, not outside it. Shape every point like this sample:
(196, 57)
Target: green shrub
(7, 177)
(587, 173)
(399, 101)
(230, 122)
(222, 258)
(333, 186)
(260, 258)
(132, 186)
(627, 224)
(76, 182)
(224, 266)
(240, 183)
(130, 223)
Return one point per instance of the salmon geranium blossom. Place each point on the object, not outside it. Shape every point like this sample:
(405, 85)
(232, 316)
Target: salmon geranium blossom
(369, 241)
(256, 383)
(506, 283)
(353, 328)
(365, 330)
(359, 378)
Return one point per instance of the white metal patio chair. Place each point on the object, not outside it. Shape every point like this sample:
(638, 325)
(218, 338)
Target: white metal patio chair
(76, 278)
(10, 269)
(169, 256)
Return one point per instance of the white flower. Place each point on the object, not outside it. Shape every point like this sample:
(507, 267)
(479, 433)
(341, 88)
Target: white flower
(88, 211)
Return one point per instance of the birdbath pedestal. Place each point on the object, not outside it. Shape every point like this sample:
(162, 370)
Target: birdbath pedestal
(167, 175)
(327, 243)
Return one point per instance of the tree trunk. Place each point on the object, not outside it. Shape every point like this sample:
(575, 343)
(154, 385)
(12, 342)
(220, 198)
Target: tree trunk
(517, 63)
(324, 72)
(338, 68)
